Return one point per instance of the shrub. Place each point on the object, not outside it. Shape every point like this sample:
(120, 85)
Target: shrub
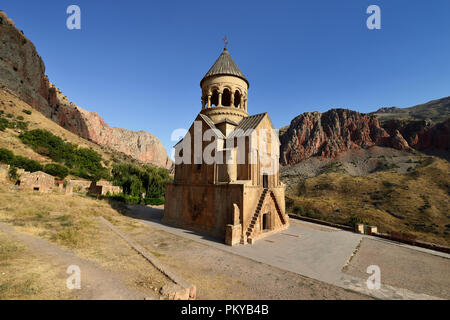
(22, 125)
(125, 199)
(298, 210)
(136, 180)
(19, 118)
(26, 111)
(56, 170)
(13, 173)
(27, 164)
(4, 123)
(82, 162)
(6, 156)
(154, 201)
(354, 219)
(10, 115)
(311, 214)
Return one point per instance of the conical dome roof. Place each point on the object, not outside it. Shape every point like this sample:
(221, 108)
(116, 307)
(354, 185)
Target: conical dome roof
(225, 65)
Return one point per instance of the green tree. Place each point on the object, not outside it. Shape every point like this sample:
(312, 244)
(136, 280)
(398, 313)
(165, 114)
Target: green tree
(82, 162)
(27, 164)
(56, 170)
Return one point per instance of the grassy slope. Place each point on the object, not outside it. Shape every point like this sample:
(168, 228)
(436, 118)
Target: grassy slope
(436, 110)
(9, 138)
(416, 202)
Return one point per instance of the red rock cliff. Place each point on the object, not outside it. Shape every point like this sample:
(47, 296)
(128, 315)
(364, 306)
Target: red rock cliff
(337, 130)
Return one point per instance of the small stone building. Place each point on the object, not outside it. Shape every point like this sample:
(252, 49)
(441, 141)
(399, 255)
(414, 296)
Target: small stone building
(103, 188)
(237, 197)
(36, 181)
(80, 185)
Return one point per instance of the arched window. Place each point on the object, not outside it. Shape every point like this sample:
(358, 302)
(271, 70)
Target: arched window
(215, 98)
(226, 98)
(237, 99)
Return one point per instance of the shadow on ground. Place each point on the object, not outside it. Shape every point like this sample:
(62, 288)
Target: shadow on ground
(155, 215)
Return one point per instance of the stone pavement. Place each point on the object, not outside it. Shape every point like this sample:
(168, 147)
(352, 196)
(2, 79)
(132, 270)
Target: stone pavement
(318, 252)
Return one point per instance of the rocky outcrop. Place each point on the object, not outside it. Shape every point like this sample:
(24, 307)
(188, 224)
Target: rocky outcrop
(338, 130)
(422, 134)
(22, 72)
(141, 145)
(389, 110)
(328, 134)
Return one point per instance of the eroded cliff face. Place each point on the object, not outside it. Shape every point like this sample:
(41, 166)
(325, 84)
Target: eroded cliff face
(338, 130)
(22, 72)
(422, 134)
(327, 134)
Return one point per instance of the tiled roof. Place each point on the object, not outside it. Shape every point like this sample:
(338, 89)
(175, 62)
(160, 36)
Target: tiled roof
(247, 124)
(209, 122)
(224, 65)
(226, 120)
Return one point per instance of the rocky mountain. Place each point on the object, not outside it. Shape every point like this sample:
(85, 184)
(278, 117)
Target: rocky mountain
(330, 133)
(22, 72)
(343, 166)
(338, 130)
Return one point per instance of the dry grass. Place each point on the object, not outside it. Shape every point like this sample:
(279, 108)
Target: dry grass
(417, 202)
(25, 276)
(71, 222)
(66, 220)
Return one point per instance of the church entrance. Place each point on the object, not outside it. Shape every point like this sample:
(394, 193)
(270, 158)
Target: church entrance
(265, 226)
(265, 180)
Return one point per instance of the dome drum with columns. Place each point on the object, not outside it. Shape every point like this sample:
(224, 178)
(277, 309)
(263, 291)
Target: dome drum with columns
(224, 90)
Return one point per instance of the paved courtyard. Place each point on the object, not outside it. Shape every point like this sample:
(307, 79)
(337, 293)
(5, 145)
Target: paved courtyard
(333, 256)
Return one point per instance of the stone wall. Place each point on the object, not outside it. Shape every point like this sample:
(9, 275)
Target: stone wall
(37, 181)
(205, 208)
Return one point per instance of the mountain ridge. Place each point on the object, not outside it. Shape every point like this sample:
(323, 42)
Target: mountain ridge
(327, 134)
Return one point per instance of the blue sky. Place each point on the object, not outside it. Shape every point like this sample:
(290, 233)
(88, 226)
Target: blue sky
(139, 63)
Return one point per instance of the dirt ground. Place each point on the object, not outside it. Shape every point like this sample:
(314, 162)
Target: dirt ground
(33, 268)
(222, 275)
(41, 235)
(403, 267)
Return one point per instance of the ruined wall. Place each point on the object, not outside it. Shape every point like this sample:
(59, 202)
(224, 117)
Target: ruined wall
(38, 181)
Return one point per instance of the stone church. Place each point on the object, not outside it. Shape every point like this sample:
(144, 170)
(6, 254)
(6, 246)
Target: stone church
(238, 197)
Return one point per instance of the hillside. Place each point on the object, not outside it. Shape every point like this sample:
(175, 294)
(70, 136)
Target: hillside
(22, 72)
(416, 202)
(10, 104)
(436, 110)
(344, 166)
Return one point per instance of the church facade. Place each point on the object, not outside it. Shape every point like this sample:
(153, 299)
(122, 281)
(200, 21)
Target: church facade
(226, 181)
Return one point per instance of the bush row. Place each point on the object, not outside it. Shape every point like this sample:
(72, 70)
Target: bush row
(82, 162)
(136, 200)
(54, 169)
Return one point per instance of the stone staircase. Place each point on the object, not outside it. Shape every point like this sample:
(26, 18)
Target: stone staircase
(257, 213)
(282, 216)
